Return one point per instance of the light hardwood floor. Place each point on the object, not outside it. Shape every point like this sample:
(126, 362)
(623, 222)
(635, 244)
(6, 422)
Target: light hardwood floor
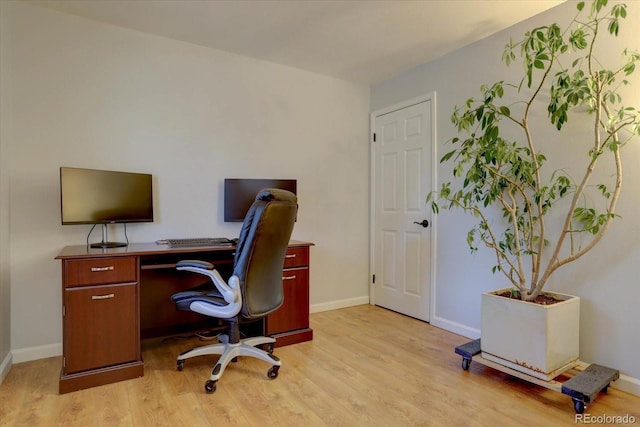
(366, 366)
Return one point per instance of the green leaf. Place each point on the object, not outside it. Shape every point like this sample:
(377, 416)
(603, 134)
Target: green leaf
(448, 156)
(629, 68)
(619, 11)
(614, 27)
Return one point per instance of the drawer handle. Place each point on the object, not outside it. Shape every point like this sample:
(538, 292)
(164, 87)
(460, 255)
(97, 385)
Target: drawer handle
(103, 296)
(109, 268)
(290, 256)
(288, 277)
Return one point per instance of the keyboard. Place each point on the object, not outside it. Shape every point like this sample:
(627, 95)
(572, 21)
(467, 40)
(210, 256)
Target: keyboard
(200, 241)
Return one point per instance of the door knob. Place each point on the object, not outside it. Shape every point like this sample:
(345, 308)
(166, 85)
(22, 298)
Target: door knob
(424, 223)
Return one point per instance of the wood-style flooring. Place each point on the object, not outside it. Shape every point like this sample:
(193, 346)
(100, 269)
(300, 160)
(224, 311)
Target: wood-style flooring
(366, 366)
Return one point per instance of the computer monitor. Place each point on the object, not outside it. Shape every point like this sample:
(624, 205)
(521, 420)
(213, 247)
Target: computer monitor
(239, 194)
(89, 196)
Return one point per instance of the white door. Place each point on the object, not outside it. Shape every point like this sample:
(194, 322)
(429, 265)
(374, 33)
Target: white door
(402, 178)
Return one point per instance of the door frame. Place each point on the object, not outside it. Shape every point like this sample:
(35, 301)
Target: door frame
(431, 96)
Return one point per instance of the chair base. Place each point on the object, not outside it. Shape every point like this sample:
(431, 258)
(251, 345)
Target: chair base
(229, 351)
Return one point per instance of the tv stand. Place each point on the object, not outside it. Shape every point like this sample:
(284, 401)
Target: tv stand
(105, 243)
(112, 298)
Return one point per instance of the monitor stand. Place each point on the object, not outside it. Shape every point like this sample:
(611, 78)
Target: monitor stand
(104, 244)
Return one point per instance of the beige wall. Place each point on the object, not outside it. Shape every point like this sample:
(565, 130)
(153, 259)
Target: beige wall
(98, 96)
(605, 279)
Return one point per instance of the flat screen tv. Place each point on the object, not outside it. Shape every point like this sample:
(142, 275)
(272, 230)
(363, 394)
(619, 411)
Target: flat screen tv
(89, 196)
(239, 194)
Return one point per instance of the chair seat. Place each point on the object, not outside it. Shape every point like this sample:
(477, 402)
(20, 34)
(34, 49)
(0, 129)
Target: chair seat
(184, 299)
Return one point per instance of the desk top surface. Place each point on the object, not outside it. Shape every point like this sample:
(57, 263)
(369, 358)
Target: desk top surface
(137, 249)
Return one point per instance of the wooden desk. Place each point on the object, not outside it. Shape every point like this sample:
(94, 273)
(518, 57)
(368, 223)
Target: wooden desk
(113, 298)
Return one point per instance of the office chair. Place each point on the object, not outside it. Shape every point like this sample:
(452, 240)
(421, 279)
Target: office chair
(253, 291)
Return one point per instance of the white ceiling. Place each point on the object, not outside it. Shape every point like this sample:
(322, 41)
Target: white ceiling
(363, 41)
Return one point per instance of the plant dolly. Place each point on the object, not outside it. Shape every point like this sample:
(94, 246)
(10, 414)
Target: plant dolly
(583, 386)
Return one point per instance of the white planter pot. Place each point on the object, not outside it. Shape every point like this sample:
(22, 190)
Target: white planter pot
(539, 340)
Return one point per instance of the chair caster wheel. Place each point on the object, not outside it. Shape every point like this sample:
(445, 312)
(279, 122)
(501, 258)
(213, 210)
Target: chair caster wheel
(210, 386)
(180, 365)
(269, 348)
(273, 372)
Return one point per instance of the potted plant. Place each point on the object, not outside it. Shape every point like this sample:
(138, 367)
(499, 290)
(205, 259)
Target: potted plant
(534, 219)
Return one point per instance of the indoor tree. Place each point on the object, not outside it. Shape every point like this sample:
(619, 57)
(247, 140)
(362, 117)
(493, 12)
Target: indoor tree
(497, 173)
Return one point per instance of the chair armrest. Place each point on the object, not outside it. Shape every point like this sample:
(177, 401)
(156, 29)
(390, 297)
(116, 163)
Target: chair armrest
(194, 263)
(230, 292)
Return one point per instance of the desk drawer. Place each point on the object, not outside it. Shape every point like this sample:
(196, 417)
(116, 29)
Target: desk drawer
(296, 257)
(99, 271)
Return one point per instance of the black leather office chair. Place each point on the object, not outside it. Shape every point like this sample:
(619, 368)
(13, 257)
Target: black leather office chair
(255, 288)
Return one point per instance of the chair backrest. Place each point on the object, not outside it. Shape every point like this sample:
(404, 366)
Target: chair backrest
(261, 249)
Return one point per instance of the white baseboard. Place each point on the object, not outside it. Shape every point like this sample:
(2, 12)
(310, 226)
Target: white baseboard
(333, 305)
(456, 328)
(627, 384)
(34, 353)
(5, 366)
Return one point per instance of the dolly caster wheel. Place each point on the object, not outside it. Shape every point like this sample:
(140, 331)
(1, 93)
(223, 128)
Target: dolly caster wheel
(210, 386)
(578, 405)
(466, 362)
(273, 372)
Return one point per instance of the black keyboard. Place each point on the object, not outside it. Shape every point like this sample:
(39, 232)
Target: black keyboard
(200, 241)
